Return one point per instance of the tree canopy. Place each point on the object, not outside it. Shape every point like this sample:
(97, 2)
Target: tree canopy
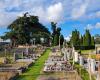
(57, 38)
(85, 42)
(25, 28)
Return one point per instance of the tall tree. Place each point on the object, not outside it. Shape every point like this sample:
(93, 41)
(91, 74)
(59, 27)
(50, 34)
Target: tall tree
(75, 39)
(61, 39)
(92, 41)
(55, 34)
(87, 38)
(24, 28)
(81, 40)
(85, 42)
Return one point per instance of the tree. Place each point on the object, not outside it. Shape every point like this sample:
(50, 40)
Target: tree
(55, 34)
(53, 27)
(84, 42)
(81, 40)
(24, 28)
(56, 40)
(61, 39)
(92, 41)
(87, 38)
(75, 39)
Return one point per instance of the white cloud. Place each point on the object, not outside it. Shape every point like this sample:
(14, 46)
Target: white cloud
(54, 12)
(97, 26)
(90, 26)
(98, 14)
(7, 18)
(40, 12)
(68, 38)
(46, 13)
(79, 9)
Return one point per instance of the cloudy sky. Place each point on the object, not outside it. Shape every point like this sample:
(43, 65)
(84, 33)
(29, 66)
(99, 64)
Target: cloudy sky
(69, 14)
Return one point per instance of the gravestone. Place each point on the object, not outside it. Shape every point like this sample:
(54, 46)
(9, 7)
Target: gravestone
(27, 51)
(65, 56)
(68, 55)
(81, 61)
(93, 63)
(14, 57)
(76, 56)
(98, 76)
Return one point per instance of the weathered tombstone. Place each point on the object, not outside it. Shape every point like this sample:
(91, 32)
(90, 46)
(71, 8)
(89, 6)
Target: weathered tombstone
(73, 49)
(81, 60)
(93, 65)
(27, 50)
(73, 55)
(76, 56)
(22, 55)
(65, 56)
(98, 76)
(63, 50)
(68, 55)
(14, 57)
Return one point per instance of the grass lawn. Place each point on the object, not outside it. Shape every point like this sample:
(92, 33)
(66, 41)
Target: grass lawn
(34, 71)
(86, 51)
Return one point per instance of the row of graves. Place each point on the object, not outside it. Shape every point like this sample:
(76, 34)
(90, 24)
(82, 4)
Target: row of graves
(90, 64)
(22, 58)
(57, 62)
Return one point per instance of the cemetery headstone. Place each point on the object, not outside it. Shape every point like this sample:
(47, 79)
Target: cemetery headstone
(93, 65)
(81, 61)
(76, 56)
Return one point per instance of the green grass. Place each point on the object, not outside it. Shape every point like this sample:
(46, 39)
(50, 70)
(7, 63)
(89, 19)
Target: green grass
(86, 51)
(34, 71)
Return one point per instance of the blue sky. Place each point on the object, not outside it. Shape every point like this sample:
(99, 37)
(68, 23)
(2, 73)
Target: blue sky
(69, 14)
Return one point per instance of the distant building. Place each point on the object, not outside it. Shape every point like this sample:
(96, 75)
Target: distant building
(1, 40)
(97, 39)
(97, 47)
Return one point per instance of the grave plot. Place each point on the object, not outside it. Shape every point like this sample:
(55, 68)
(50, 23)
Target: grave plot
(57, 67)
(21, 59)
(57, 62)
(34, 71)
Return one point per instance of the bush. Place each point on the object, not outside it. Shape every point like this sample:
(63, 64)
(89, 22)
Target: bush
(84, 47)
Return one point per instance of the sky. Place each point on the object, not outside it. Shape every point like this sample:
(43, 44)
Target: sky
(69, 14)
